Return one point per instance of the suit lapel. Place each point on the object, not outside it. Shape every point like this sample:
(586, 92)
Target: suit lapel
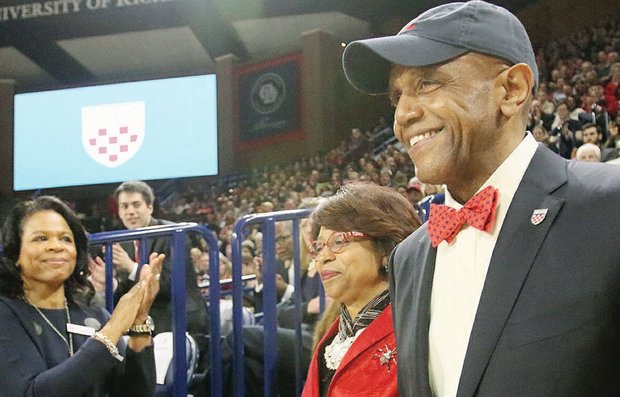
(421, 312)
(517, 246)
(413, 265)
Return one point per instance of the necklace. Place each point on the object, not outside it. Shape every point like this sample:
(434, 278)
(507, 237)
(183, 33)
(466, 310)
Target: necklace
(69, 342)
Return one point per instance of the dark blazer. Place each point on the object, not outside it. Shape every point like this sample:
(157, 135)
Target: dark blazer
(608, 153)
(30, 365)
(548, 321)
(195, 305)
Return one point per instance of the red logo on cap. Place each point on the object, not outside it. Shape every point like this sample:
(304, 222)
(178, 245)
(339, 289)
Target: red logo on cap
(408, 27)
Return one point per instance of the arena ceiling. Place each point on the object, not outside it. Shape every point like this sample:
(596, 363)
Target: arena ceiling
(47, 44)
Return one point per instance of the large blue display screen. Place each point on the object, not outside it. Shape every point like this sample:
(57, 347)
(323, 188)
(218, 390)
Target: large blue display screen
(155, 129)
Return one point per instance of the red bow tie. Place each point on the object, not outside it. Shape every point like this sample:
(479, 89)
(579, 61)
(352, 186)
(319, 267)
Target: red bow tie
(444, 222)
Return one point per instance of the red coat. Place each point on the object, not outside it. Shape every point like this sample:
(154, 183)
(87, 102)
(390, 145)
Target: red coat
(369, 367)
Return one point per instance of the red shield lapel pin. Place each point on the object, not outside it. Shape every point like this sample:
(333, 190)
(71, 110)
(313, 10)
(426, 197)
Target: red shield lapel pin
(538, 216)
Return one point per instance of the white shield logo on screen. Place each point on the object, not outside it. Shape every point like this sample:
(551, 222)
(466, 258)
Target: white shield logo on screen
(113, 133)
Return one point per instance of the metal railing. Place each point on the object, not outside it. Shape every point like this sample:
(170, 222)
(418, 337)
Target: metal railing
(267, 223)
(178, 235)
(178, 256)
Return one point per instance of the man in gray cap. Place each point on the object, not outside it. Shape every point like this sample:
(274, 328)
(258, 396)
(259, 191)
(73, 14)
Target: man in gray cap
(496, 295)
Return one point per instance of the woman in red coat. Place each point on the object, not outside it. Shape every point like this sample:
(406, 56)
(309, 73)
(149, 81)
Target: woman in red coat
(355, 232)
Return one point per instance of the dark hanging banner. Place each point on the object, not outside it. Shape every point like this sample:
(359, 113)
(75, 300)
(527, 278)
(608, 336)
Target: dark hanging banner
(269, 102)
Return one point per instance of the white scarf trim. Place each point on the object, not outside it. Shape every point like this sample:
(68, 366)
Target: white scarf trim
(335, 351)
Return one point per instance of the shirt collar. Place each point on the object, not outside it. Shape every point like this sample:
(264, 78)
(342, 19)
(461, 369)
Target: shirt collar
(507, 177)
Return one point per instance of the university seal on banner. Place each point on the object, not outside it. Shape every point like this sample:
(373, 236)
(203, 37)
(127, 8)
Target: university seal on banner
(113, 133)
(268, 93)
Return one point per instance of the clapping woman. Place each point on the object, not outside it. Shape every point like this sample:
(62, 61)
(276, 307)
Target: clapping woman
(355, 231)
(52, 341)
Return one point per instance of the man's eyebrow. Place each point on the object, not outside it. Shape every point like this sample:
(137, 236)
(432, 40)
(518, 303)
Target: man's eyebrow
(129, 202)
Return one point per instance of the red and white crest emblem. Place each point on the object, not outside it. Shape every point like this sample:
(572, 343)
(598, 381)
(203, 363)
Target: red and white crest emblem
(113, 133)
(538, 216)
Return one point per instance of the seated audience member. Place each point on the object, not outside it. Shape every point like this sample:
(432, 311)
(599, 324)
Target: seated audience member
(434, 194)
(356, 230)
(135, 208)
(253, 336)
(310, 283)
(358, 145)
(415, 192)
(541, 135)
(283, 268)
(592, 134)
(589, 152)
(53, 342)
(613, 139)
(201, 267)
(562, 134)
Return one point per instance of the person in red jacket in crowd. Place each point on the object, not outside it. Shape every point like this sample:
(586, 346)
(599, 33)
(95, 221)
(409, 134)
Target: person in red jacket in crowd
(355, 231)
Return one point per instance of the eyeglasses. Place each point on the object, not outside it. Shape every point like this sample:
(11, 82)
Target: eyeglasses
(335, 242)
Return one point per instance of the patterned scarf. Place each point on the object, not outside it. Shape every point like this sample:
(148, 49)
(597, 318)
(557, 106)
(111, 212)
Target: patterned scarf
(348, 327)
(349, 330)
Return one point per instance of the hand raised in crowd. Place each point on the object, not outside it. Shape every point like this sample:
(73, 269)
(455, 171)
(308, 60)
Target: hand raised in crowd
(96, 266)
(281, 285)
(258, 269)
(121, 259)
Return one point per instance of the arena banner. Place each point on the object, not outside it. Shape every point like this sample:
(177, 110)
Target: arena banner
(269, 102)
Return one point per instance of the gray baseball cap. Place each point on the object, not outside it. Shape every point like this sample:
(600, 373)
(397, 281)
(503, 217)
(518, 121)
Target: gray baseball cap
(435, 36)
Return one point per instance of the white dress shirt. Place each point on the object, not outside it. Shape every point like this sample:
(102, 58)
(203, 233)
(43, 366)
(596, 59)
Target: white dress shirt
(460, 271)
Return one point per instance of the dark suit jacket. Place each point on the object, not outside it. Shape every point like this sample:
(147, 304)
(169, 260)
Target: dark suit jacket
(608, 153)
(195, 305)
(29, 364)
(548, 321)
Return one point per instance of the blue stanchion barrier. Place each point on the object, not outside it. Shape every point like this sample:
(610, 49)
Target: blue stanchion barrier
(178, 235)
(269, 321)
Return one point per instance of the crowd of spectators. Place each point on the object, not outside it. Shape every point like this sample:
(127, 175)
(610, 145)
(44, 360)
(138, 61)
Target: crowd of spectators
(579, 77)
(574, 112)
(578, 94)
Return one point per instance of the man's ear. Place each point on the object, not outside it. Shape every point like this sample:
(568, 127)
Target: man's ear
(517, 82)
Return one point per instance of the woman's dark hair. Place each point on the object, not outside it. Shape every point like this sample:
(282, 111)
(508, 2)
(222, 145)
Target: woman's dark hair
(368, 208)
(77, 288)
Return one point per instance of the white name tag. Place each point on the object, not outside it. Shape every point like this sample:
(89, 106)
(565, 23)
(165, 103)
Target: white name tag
(80, 329)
